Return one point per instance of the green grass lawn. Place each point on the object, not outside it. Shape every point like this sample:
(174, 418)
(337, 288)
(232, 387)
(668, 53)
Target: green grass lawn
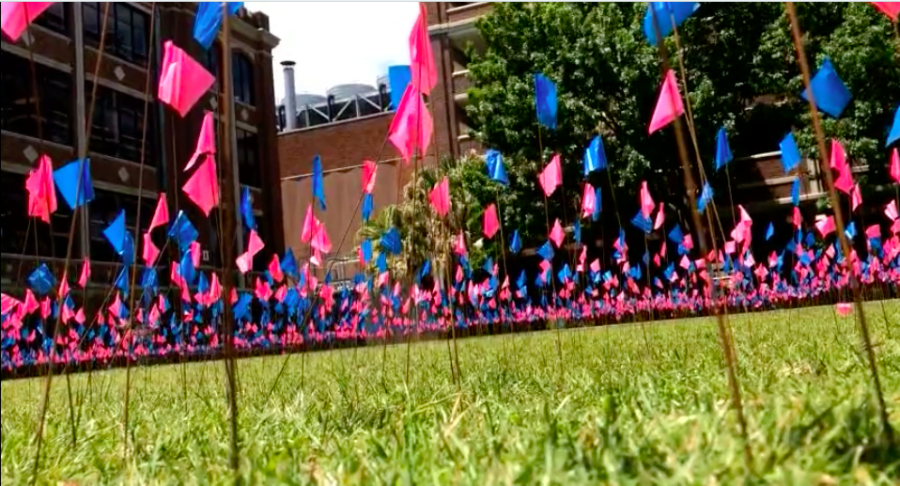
(621, 406)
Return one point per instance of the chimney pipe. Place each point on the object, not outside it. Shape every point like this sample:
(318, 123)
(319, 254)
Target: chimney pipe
(290, 96)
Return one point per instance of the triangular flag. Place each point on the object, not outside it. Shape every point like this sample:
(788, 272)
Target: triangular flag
(647, 203)
(203, 187)
(421, 67)
(660, 217)
(894, 135)
(665, 13)
(844, 181)
(856, 198)
(310, 225)
(491, 223)
(161, 213)
(440, 197)
(369, 170)
(318, 181)
(115, 233)
(182, 80)
(247, 217)
(723, 150)
(594, 156)
(669, 105)
(588, 201)
(41, 190)
(85, 275)
(551, 177)
(149, 250)
(831, 94)
(891, 9)
(515, 243)
(208, 19)
(412, 125)
(493, 162)
(74, 189)
(790, 154)
(206, 142)
(16, 16)
(895, 166)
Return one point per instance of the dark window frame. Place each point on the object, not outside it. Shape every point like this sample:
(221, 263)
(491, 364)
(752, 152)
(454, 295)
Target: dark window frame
(55, 18)
(118, 126)
(127, 30)
(249, 166)
(242, 74)
(17, 108)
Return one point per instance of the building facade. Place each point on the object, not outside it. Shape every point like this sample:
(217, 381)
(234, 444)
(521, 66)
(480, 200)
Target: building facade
(43, 110)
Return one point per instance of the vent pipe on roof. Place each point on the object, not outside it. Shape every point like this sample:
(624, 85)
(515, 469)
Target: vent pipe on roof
(290, 96)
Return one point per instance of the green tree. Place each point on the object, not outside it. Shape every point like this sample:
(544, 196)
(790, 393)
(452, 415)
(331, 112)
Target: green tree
(741, 70)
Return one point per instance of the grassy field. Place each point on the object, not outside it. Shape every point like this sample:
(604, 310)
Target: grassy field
(621, 406)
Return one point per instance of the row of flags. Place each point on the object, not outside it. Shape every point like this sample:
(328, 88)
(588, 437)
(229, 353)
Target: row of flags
(287, 304)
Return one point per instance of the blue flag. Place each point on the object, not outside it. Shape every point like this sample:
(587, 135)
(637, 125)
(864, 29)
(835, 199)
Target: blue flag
(850, 231)
(182, 231)
(705, 197)
(208, 20)
(642, 223)
(247, 209)
(895, 129)
(289, 263)
(366, 248)
(676, 235)
(515, 243)
(598, 205)
(390, 241)
(790, 154)
(576, 232)
(545, 100)
(41, 280)
(367, 207)
(795, 192)
(318, 182)
(594, 156)
(66, 180)
(770, 232)
(546, 251)
(398, 78)
(115, 233)
(665, 12)
(493, 162)
(723, 151)
(830, 92)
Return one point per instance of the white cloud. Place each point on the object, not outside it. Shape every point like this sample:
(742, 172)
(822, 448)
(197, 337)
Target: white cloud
(337, 42)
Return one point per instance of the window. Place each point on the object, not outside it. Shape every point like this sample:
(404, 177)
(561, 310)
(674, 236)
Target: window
(242, 77)
(18, 112)
(55, 18)
(118, 126)
(21, 237)
(104, 209)
(211, 59)
(248, 159)
(127, 30)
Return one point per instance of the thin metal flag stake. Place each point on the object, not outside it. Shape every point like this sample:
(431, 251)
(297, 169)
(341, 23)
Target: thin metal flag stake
(839, 220)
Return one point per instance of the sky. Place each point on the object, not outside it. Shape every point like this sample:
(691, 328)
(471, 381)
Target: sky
(337, 42)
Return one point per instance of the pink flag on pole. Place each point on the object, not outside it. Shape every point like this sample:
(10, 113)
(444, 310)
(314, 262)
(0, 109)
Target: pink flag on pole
(844, 181)
(891, 9)
(890, 210)
(161, 214)
(85, 275)
(557, 234)
(310, 226)
(588, 201)
(660, 217)
(491, 224)
(41, 190)
(873, 231)
(203, 187)
(195, 253)
(421, 67)
(149, 250)
(16, 16)
(825, 225)
(895, 161)
(206, 142)
(855, 197)
(551, 177)
(369, 170)
(254, 246)
(595, 265)
(182, 80)
(647, 203)
(275, 268)
(440, 197)
(412, 125)
(320, 240)
(669, 105)
(459, 246)
(797, 218)
(64, 285)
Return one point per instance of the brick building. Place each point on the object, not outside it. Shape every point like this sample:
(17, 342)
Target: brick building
(63, 43)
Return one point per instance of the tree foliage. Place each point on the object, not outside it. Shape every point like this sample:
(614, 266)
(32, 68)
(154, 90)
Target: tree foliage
(741, 72)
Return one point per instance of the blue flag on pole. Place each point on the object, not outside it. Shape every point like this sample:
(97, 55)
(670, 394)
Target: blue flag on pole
(665, 13)
(182, 231)
(895, 129)
(705, 196)
(493, 161)
(515, 243)
(398, 77)
(594, 156)
(367, 207)
(831, 94)
(247, 209)
(790, 154)
(546, 251)
(208, 20)
(770, 232)
(545, 100)
(795, 192)
(115, 233)
(598, 205)
(723, 151)
(66, 180)
(318, 182)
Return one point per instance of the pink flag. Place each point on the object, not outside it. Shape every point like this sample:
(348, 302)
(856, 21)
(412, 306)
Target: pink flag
(491, 223)
(275, 268)
(798, 218)
(310, 226)
(421, 66)
(150, 251)
(206, 142)
(459, 246)
(551, 177)
(660, 217)
(843, 309)
(669, 105)
(647, 203)
(254, 246)
(182, 80)
(63, 285)
(844, 181)
(412, 125)
(161, 214)
(895, 161)
(855, 197)
(85, 273)
(440, 197)
(873, 231)
(320, 240)
(41, 190)
(588, 201)
(203, 187)
(557, 234)
(195, 253)
(369, 170)
(595, 265)
(16, 16)
(890, 210)
(891, 9)
(825, 225)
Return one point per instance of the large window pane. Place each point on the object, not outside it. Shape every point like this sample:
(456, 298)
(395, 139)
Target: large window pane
(31, 236)
(242, 75)
(118, 126)
(54, 18)
(18, 110)
(127, 31)
(248, 158)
